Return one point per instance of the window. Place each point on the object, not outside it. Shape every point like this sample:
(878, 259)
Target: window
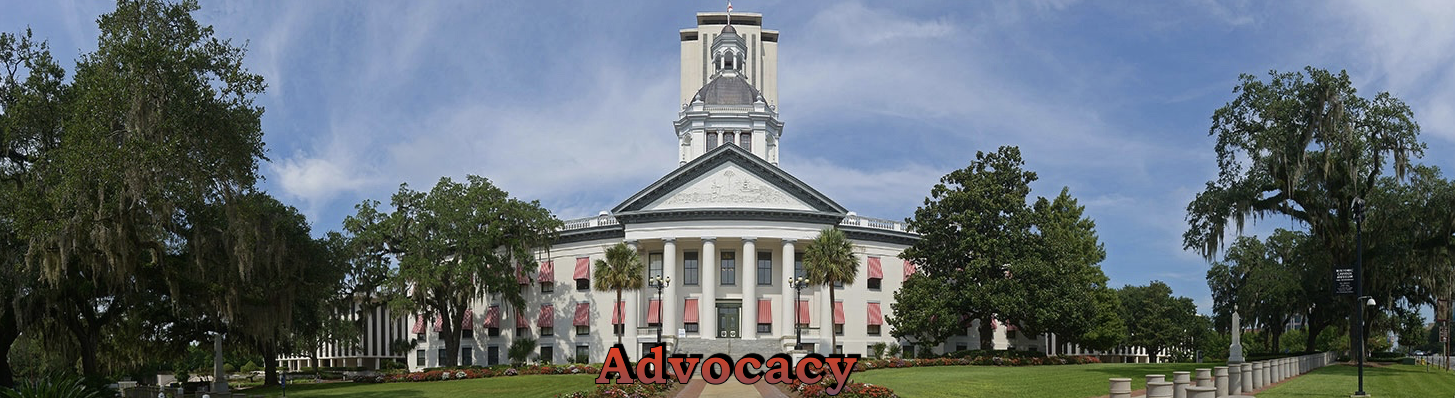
(908, 350)
(745, 140)
(874, 283)
(765, 269)
(520, 332)
(583, 354)
(583, 330)
(467, 334)
(961, 347)
(839, 329)
(654, 265)
(619, 329)
(548, 287)
(493, 332)
(466, 357)
(839, 349)
(548, 331)
(798, 264)
(711, 141)
(419, 358)
(547, 353)
(873, 330)
(442, 356)
(583, 284)
(689, 268)
(729, 272)
(727, 138)
(691, 327)
(765, 328)
(492, 356)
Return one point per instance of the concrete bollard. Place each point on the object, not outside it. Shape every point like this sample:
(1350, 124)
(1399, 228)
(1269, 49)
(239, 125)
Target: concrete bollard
(1220, 383)
(1247, 378)
(1257, 375)
(1283, 369)
(1235, 380)
(1121, 387)
(1159, 389)
(1180, 381)
(1267, 374)
(1156, 378)
(1204, 377)
(1202, 392)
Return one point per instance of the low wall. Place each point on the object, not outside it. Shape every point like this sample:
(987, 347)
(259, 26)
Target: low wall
(1223, 381)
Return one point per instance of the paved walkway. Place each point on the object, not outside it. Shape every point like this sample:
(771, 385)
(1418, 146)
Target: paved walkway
(731, 388)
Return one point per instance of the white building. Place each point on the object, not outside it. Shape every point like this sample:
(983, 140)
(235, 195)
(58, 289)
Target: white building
(728, 226)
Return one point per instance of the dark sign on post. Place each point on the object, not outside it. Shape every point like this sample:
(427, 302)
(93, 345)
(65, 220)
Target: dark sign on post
(1442, 310)
(1344, 281)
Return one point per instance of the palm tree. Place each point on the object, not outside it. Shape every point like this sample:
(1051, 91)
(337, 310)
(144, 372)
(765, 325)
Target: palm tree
(621, 270)
(829, 259)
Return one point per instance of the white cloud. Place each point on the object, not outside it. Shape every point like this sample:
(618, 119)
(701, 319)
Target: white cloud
(1406, 47)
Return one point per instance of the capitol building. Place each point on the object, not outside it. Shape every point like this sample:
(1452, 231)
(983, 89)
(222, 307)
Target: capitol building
(728, 226)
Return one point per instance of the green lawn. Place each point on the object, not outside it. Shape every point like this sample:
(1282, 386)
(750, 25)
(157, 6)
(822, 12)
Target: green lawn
(1061, 381)
(515, 386)
(1394, 381)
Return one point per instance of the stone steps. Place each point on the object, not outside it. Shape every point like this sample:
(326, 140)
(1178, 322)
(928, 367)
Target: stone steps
(735, 348)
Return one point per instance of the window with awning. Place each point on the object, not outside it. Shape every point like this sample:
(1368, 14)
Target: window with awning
(548, 316)
(520, 276)
(616, 313)
(548, 272)
(765, 316)
(492, 317)
(654, 312)
(876, 273)
(908, 269)
(439, 322)
(418, 325)
(803, 312)
(876, 319)
(838, 313)
(520, 321)
(689, 315)
(467, 322)
(583, 273)
(583, 315)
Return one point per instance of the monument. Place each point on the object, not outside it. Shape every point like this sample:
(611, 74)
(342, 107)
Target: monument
(1235, 350)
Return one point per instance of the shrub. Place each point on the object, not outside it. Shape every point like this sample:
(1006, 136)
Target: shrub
(57, 386)
(878, 349)
(250, 367)
(520, 349)
(894, 350)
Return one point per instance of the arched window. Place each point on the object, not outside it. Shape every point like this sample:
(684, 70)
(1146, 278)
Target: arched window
(711, 141)
(745, 140)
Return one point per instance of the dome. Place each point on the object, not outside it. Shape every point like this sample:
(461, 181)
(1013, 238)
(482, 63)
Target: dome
(728, 90)
(728, 29)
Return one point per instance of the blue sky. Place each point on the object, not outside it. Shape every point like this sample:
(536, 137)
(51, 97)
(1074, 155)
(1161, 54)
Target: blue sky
(571, 102)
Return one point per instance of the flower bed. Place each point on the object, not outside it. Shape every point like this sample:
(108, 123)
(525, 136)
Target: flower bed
(637, 390)
(851, 390)
(477, 373)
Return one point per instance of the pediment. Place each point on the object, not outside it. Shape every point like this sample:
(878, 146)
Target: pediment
(729, 178)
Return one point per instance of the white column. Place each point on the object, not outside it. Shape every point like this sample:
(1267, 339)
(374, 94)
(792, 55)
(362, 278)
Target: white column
(630, 318)
(707, 313)
(670, 315)
(750, 289)
(826, 320)
(786, 305)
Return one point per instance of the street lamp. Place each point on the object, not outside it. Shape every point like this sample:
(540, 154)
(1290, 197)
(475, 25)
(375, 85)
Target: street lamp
(1358, 210)
(798, 283)
(660, 282)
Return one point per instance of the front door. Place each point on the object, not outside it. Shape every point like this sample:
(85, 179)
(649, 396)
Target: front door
(727, 321)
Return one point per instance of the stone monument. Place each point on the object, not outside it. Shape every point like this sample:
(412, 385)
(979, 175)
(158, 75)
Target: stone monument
(1235, 350)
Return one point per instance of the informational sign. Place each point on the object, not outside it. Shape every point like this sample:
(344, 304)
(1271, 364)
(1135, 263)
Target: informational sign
(1444, 334)
(1344, 281)
(1442, 310)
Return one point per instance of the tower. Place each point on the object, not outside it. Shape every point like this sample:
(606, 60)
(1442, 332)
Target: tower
(724, 106)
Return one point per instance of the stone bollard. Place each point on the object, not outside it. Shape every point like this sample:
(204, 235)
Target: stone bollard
(1156, 378)
(1202, 392)
(1283, 369)
(1159, 389)
(1121, 387)
(1257, 375)
(1180, 381)
(1220, 383)
(1247, 379)
(1267, 374)
(1235, 380)
(1204, 377)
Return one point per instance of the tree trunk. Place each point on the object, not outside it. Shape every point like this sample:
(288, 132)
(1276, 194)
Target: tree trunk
(270, 365)
(1152, 354)
(451, 333)
(833, 337)
(313, 358)
(986, 339)
(616, 311)
(1314, 329)
(89, 343)
(9, 331)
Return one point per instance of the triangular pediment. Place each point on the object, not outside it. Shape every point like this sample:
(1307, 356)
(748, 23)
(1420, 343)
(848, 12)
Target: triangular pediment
(729, 178)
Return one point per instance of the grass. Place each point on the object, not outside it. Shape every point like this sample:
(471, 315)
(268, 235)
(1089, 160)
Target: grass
(1393, 381)
(514, 386)
(1062, 381)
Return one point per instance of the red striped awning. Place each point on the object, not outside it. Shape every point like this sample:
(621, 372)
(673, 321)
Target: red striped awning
(689, 311)
(548, 272)
(765, 311)
(617, 313)
(520, 321)
(520, 275)
(875, 271)
(583, 268)
(803, 312)
(583, 315)
(548, 316)
(492, 317)
(908, 269)
(439, 323)
(654, 312)
(418, 325)
(467, 322)
(838, 313)
(876, 317)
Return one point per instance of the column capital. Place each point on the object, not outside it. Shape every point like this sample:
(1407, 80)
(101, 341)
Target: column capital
(669, 240)
(750, 239)
(709, 239)
(789, 241)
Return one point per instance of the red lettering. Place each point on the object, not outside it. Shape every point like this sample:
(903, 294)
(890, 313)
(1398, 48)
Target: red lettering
(742, 370)
(616, 362)
(717, 369)
(652, 364)
(841, 367)
(780, 369)
(684, 373)
(806, 375)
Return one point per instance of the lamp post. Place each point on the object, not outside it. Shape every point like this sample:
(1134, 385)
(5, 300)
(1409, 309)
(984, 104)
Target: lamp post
(1358, 210)
(660, 282)
(798, 283)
